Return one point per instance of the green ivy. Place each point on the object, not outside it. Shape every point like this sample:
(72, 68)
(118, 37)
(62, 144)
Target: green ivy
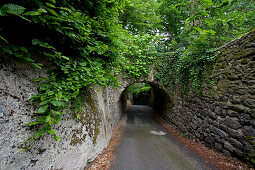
(83, 54)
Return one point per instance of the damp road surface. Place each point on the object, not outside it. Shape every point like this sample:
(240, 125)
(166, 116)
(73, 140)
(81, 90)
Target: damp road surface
(145, 145)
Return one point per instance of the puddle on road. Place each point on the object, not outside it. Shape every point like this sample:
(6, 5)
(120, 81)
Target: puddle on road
(159, 133)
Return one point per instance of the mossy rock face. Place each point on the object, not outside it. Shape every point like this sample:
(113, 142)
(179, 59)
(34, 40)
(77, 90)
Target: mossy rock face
(89, 119)
(93, 129)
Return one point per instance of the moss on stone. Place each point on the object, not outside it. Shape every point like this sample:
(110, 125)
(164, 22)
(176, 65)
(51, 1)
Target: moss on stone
(89, 119)
(75, 140)
(91, 103)
(243, 54)
(244, 61)
(96, 132)
(220, 65)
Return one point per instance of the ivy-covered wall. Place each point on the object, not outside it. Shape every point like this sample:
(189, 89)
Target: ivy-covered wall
(223, 116)
(81, 139)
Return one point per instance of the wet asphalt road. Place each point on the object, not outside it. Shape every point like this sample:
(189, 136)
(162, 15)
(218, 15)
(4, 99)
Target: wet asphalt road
(144, 147)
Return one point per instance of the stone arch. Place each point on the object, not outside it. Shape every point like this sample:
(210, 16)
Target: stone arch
(161, 101)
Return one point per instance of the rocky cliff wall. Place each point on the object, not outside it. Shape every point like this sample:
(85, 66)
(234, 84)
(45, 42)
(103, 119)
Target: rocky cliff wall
(223, 117)
(82, 140)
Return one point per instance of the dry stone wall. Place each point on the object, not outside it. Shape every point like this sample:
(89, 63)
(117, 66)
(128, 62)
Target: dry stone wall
(223, 117)
(82, 140)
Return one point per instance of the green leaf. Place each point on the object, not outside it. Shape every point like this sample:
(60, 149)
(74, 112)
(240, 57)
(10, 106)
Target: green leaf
(63, 8)
(43, 109)
(58, 103)
(50, 5)
(41, 132)
(23, 150)
(52, 12)
(51, 93)
(24, 18)
(52, 132)
(57, 138)
(33, 123)
(41, 44)
(64, 57)
(12, 9)
(79, 116)
(57, 119)
(2, 38)
(40, 119)
(51, 121)
(31, 13)
(40, 79)
(53, 1)
(47, 119)
(41, 10)
(37, 65)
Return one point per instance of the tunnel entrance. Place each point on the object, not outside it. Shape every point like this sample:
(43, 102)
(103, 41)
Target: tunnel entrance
(146, 93)
(140, 94)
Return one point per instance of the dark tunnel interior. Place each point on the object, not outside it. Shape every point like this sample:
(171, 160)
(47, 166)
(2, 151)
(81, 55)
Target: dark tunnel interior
(154, 96)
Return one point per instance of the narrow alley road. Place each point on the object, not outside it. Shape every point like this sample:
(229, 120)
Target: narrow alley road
(145, 145)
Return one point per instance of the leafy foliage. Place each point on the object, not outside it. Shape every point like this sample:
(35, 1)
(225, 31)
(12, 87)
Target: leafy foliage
(140, 16)
(139, 88)
(138, 56)
(194, 29)
(83, 54)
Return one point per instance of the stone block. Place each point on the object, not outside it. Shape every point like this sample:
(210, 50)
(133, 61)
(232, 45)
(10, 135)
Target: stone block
(249, 131)
(248, 149)
(223, 127)
(197, 134)
(232, 113)
(182, 127)
(211, 115)
(215, 124)
(236, 100)
(237, 134)
(210, 121)
(252, 112)
(218, 146)
(193, 125)
(226, 153)
(228, 146)
(209, 141)
(250, 102)
(239, 153)
(223, 112)
(204, 113)
(237, 107)
(236, 143)
(232, 123)
(218, 132)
